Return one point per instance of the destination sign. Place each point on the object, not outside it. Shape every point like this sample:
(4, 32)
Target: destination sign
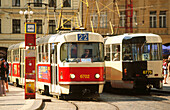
(83, 37)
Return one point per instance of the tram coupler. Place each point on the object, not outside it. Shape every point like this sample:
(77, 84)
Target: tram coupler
(85, 91)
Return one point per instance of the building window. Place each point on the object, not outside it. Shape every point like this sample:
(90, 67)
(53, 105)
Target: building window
(162, 19)
(94, 19)
(52, 27)
(67, 23)
(0, 25)
(0, 2)
(122, 19)
(153, 19)
(38, 3)
(39, 26)
(103, 20)
(135, 19)
(15, 3)
(16, 27)
(66, 3)
(52, 3)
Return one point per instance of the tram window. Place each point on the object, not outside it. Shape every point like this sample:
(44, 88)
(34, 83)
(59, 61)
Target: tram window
(9, 56)
(127, 52)
(107, 52)
(115, 52)
(142, 52)
(16, 55)
(46, 52)
(76, 52)
(39, 52)
(43, 54)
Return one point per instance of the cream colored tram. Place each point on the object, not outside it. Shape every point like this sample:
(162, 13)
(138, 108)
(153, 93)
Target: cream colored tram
(134, 61)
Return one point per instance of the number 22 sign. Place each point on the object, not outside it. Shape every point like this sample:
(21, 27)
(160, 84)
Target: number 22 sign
(83, 37)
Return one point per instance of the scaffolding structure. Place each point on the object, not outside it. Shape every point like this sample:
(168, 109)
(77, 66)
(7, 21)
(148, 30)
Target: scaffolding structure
(129, 16)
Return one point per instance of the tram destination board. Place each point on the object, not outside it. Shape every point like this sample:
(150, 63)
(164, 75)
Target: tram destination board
(83, 37)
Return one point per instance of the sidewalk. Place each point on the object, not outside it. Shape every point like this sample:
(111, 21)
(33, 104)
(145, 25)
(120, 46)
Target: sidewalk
(15, 100)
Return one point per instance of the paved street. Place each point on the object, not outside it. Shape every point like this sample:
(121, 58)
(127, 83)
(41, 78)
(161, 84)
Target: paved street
(107, 101)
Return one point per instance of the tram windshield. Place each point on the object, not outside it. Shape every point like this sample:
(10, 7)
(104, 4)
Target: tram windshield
(82, 52)
(142, 51)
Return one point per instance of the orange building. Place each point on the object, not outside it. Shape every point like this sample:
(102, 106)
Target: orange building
(149, 16)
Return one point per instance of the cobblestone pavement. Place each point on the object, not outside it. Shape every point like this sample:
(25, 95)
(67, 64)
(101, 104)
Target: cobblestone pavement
(109, 101)
(148, 102)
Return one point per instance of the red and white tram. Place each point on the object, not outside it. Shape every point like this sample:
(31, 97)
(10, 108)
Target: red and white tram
(15, 57)
(63, 66)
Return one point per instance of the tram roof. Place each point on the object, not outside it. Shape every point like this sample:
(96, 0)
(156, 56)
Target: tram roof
(150, 38)
(68, 37)
(18, 45)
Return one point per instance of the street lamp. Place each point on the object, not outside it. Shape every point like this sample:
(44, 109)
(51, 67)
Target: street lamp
(26, 13)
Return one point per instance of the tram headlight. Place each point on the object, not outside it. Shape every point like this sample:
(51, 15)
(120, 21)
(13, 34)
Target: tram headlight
(72, 76)
(97, 76)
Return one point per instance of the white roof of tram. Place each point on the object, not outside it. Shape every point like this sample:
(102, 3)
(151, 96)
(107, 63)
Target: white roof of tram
(150, 38)
(65, 37)
(16, 46)
(68, 37)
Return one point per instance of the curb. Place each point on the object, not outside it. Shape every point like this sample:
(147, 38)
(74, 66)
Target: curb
(37, 105)
(32, 104)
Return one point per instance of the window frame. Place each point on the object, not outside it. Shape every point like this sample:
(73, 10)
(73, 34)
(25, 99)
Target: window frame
(162, 17)
(103, 19)
(38, 3)
(52, 3)
(39, 26)
(53, 26)
(68, 2)
(153, 19)
(16, 3)
(94, 18)
(16, 26)
(122, 19)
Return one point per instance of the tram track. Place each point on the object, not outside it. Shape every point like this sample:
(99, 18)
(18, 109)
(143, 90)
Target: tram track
(86, 104)
(117, 108)
(77, 108)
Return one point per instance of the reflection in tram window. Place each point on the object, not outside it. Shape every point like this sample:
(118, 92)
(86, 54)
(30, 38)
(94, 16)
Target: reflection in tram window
(115, 52)
(142, 52)
(127, 52)
(72, 52)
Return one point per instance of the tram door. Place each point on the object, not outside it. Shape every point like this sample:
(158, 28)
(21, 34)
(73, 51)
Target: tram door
(53, 55)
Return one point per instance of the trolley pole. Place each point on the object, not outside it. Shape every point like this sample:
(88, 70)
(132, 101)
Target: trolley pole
(30, 60)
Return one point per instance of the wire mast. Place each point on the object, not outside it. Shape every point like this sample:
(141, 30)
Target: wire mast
(129, 16)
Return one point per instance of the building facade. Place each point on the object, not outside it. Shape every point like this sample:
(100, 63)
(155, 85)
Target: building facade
(12, 22)
(149, 16)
